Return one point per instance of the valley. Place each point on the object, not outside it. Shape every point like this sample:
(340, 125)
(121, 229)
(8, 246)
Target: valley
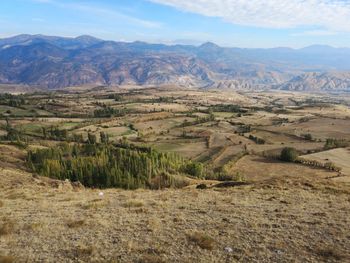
(212, 184)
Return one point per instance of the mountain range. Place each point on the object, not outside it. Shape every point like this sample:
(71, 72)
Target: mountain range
(55, 62)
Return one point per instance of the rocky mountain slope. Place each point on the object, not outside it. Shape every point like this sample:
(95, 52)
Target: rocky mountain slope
(329, 81)
(56, 62)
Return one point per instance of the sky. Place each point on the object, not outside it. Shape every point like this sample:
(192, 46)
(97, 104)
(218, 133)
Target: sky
(231, 23)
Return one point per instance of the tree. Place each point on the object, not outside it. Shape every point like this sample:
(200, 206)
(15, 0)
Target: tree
(78, 137)
(307, 136)
(289, 154)
(104, 138)
(335, 143)
(44, 132)
(194, 169)
(106, 165)
(91, 138)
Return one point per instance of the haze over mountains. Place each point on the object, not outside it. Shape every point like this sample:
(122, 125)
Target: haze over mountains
(57, 62)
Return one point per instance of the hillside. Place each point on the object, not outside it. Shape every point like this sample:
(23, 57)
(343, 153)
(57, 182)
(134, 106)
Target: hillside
(57, 62)
(331, 81)
(151, 175)
(279, 220)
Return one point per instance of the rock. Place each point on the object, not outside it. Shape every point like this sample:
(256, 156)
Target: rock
(228, 249)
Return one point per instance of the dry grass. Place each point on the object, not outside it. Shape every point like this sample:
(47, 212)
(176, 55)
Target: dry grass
(202, 240)
(32, 226)
(1, 203)
(83, 252)
(76, 223)
(126, 224)
(94, 204)
(7, 227)
(149, 258)
(134, 204)
(16, 195)
(330, 254)
(7, 259)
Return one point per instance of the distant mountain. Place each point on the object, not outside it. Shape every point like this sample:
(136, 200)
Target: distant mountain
(63, 42)
(330, 81)
(56, 62)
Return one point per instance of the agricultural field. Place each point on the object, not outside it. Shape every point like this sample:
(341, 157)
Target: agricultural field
(340, 157)
(206, 169)
(212, 127)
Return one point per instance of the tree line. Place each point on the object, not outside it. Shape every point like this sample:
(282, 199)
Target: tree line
(12, 100)
(105, 165)
(107, 112)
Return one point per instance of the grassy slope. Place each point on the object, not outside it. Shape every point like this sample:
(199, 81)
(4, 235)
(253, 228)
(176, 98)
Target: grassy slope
(279, 220)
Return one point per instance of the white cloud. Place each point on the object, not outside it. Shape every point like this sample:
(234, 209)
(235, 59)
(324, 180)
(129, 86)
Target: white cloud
(101, 12)
(316, 33)
(332, 15)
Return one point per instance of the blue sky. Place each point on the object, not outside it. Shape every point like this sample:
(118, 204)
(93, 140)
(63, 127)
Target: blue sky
(239, 23)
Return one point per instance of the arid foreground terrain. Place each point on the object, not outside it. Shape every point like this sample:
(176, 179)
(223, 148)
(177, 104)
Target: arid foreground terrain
(245, 205)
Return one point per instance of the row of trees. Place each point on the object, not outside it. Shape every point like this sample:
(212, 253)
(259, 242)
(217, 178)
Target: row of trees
(12, 134)
(227, 108)
(335, 143)
(198, 120)
(103, 165)
(53, 132)
(107, 112)
(257, 140)
(12, 100)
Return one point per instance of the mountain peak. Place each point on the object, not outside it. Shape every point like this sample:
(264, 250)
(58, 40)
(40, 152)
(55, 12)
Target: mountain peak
(318, 48)
(87, 38)
(210, 45)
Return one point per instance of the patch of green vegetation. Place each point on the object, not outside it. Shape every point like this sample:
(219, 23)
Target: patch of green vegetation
(35, 128)
(332, 143)
(289, 154)
(223, 114)
(257, 140)
(69, 125)
(15, 112)
(105, 165)
(164, 146)
(107, 112)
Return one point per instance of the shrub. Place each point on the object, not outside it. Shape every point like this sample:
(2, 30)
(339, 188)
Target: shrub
(75, 224)
(194, 169)
(307, 136)
(202, 240)
(239, 177)
(83, 252)
(225, 176)
(289, 154)
(166, 180)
